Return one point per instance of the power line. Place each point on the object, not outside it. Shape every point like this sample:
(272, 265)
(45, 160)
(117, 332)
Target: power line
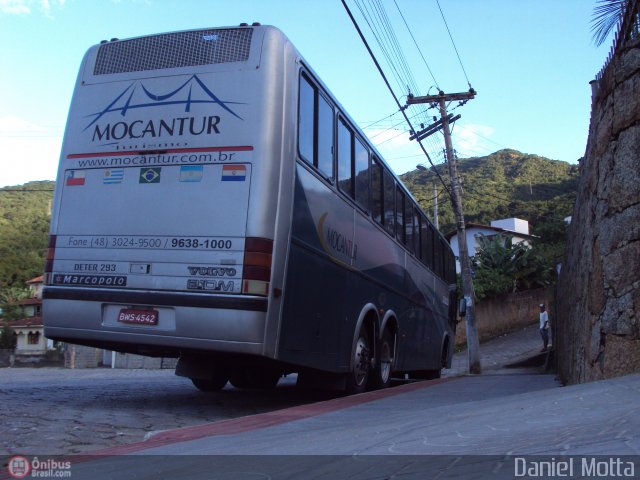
(386, 117)
(453, 43)
(378, 21)
(386, 81)
(416, 44)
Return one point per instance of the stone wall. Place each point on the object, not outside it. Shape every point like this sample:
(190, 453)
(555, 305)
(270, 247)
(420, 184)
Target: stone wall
(599, 287)
(508, 313)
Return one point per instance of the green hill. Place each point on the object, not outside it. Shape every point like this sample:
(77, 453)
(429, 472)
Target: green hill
(505, 184)
(24, 230)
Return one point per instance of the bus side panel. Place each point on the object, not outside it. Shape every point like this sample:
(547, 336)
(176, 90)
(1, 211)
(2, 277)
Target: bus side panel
(316, 288)
(421, 326)
(399, 282)
(311, 333)
(339, 262)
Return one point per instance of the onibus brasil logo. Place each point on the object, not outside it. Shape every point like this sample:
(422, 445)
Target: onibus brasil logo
(137, 96)
(21, 467)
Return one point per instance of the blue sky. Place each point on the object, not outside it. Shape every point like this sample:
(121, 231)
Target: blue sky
(529, 60)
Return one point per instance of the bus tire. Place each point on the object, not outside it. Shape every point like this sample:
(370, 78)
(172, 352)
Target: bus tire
(254, 378)
(212, 385)
(424, 374)
(381, 377)
(357, 378)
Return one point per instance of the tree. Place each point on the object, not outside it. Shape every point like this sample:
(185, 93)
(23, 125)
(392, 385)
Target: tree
(606, 16)
(503, 267)
(7, 338)
(9, 297)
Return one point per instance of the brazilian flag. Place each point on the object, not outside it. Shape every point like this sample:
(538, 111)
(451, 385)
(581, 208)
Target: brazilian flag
(149, 175)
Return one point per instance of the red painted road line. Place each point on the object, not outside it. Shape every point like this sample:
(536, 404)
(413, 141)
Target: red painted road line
(261, 420)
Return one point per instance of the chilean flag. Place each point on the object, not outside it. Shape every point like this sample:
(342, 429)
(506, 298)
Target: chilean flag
(234, 173)
(75, 177)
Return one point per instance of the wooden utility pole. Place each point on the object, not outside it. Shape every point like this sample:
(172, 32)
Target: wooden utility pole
(473, 344)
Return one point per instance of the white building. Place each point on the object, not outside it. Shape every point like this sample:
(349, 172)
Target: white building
(513, 227)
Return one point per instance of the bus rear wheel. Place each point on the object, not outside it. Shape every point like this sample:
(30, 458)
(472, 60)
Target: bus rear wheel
(424, 374)
(256, 378)
(357, 378)
(211, 385)
(382, 373)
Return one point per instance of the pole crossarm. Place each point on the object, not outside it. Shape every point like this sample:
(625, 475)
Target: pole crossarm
(433, 128)
(447, 97)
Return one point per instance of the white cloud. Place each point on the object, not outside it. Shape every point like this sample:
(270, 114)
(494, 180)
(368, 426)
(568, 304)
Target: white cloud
(27, 151)
(473, 140)
(24, 7)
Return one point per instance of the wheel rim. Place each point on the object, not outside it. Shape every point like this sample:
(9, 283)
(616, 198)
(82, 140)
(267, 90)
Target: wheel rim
(385, 362)
(361, 361)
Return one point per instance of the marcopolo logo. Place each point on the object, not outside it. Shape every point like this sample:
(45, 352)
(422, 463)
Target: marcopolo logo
(137, 96)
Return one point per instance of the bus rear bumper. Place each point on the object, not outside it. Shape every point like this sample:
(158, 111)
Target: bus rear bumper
(180, 326)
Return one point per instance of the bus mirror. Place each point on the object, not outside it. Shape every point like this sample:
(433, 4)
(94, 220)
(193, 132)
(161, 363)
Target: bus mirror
(463, 307)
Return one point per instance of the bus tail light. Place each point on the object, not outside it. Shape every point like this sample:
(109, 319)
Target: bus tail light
(48, 263)
(257, 266)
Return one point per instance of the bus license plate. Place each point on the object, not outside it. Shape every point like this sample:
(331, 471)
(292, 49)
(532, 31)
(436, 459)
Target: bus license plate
(139, 317)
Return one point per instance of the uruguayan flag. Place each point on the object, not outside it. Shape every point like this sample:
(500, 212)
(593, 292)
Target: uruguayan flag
(113, 175)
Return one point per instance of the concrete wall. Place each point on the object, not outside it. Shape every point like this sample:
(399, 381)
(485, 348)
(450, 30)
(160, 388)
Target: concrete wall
(128, 360)
(508, 313)
(599, 286)
(78, 356)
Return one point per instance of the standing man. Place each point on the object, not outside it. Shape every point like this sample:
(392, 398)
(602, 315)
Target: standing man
(544, 327)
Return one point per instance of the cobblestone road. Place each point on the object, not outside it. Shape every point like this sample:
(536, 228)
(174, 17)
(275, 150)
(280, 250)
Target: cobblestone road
(61, 411)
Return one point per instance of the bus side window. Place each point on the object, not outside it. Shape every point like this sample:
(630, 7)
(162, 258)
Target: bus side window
(423, 239)
(345, 138)
(445, 260)
(306, 120)
(408, 225)
(439, 257)
(388, 200)
(400, 233)
(451, 267)
(361, 172)
(428, 254)
(417, 232)
(325, 137)
(376, 190)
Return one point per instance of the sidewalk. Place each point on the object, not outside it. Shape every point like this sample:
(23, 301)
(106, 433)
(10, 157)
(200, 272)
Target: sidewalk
(461, 426)
(497, 354)
(378, 422)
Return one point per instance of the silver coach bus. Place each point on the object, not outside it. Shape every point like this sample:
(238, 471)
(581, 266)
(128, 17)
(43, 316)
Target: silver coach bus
(215, 203)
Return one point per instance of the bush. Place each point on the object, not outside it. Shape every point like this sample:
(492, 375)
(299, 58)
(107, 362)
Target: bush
(7, 338)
